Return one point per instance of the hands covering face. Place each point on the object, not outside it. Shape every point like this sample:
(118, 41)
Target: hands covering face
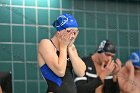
(73, 36)
(111, 68)
(67, 37)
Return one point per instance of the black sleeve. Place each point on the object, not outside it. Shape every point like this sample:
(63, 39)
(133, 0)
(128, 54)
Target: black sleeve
(111, 87)
(83, 86)
(116, 88)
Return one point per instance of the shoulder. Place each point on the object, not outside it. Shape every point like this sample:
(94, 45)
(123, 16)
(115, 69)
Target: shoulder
(44, 41)
(45, 44)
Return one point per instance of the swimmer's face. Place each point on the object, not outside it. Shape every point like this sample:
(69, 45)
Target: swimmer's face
(74, 32)
(107, 56)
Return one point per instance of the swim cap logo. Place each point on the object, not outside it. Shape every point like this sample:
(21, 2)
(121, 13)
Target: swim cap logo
(136, 58)
(102, 45)
(63, 19)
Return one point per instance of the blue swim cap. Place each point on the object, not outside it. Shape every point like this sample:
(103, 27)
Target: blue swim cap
(135, 58)
(65, 21)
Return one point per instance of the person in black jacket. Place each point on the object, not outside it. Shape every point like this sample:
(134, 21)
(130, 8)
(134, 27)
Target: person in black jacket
(101, 72)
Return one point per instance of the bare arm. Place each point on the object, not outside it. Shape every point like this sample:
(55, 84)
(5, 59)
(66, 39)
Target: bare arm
(126, 78)
(48, 53)
(77, 63)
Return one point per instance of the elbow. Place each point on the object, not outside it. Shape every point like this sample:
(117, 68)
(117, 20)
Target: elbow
(81, 74)
(61, 73)
(83, 71)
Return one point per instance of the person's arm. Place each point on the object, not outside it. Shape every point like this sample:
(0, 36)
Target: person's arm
(47, 52)
(126, 79)
(79, 66)
(84, 86)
